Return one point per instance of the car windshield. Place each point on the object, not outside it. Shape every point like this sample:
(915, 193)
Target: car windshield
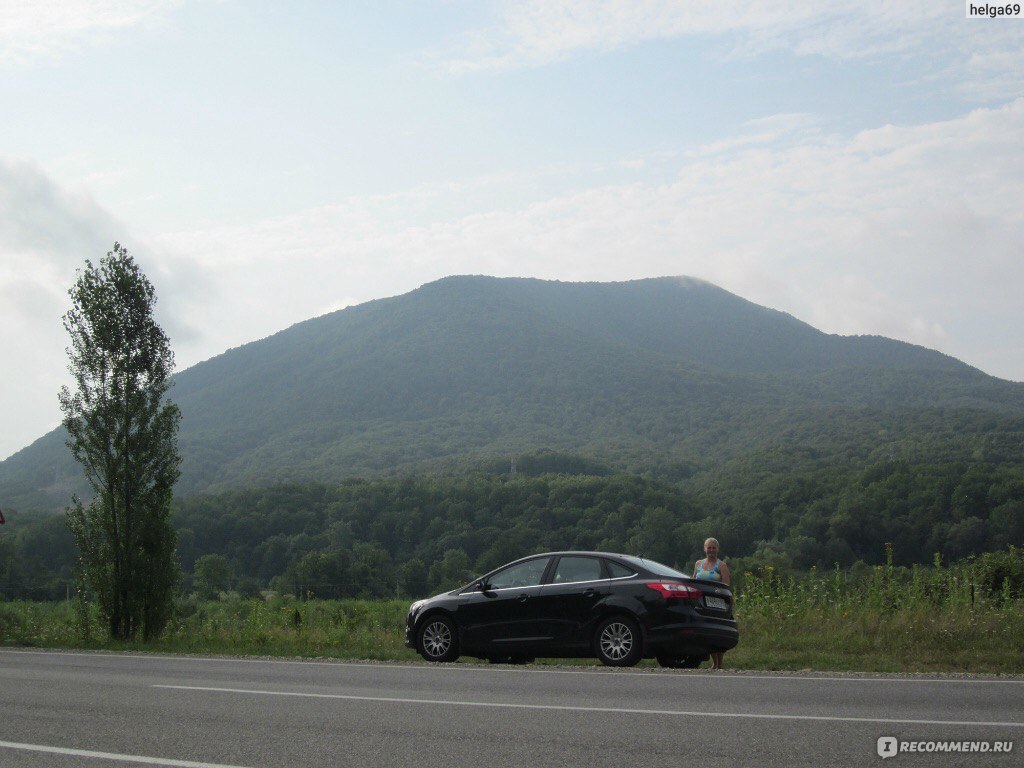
(654, 567)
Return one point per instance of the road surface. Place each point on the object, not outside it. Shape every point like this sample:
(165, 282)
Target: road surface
(97, 710)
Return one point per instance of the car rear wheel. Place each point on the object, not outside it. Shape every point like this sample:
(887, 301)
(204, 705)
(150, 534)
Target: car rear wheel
(438, 639)
(617, 642)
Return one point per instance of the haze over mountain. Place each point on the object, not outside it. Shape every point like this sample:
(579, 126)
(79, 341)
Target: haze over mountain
(668, 376)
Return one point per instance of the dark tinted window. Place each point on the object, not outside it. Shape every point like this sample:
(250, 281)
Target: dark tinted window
(619, 571)
(656, 568)
(570, 569)
(520, 575)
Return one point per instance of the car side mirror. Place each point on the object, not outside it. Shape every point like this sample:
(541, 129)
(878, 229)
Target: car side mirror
(483, 586)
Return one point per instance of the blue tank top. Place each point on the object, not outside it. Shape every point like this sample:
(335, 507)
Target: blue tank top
(703, 572)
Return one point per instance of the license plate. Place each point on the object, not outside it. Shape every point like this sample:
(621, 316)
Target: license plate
(716, 602)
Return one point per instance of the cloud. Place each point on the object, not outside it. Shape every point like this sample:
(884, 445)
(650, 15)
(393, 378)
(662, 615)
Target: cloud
(45, 230)
(530, 33)
(537, 32)
(998, 71)
(899, 230)
(31, 29)
(46, 234)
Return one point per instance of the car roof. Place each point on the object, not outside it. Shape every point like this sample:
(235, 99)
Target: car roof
(585, 553)
(568, 552)
(633, 561)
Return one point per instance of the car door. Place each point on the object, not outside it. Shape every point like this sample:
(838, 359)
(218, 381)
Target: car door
(568, 598)
(501, 612)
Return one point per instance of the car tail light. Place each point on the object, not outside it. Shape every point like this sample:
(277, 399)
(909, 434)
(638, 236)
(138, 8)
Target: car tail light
(673, 590)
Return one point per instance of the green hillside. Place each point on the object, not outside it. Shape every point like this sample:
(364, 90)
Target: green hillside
(671, 377)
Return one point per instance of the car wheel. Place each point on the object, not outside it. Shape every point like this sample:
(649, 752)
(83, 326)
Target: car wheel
(438, 639)
(680, 662)
(617, 642)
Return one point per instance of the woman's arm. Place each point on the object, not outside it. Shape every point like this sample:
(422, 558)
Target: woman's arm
(724, 570)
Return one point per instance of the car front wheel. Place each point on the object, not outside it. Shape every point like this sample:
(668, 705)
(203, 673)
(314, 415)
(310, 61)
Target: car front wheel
(617, 642)
(438, 639)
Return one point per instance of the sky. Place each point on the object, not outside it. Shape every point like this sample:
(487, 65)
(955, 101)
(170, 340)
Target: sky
(857, 164)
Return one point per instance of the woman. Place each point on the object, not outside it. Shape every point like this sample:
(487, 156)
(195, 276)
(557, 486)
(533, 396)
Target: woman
(711, 567)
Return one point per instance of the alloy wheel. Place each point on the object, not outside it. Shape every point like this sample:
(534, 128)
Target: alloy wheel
(437, 639)
(616, 641)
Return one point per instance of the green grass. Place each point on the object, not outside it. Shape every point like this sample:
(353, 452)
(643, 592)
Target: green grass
(353, 629)
(987, 639)
(964, 618)
(982, 641)
(881, 619)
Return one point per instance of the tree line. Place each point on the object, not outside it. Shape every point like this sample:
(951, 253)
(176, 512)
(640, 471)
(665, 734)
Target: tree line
(412, 536)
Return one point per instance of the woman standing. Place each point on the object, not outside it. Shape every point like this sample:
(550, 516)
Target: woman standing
(711, 567)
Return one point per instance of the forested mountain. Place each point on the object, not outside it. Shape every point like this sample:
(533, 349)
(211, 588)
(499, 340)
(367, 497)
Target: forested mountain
(370, 451)
(672, 377)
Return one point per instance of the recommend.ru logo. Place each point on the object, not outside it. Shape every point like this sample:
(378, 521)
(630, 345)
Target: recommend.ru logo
(888, 746)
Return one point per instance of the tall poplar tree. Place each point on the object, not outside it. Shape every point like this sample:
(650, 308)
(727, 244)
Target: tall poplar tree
(124, 433)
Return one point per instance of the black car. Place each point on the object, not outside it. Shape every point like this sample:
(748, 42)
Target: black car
(618, 608)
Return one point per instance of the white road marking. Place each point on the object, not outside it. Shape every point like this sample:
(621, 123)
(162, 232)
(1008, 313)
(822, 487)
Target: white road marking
(602, 710)
(517, 670)
(142, 759)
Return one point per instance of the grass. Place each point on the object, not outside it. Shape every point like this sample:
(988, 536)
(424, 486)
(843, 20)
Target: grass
(352, 629)
(982, 641)
(988, 639)
(884, 620)
(965, 618)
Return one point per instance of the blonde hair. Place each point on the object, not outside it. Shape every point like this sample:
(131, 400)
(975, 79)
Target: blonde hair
(711, 539)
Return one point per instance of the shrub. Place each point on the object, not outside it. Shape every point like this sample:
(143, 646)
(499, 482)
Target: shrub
(999, 575)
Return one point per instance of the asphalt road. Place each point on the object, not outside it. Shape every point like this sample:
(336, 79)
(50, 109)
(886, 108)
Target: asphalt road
(81, 709)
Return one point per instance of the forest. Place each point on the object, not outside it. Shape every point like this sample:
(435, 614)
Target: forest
(412, 536)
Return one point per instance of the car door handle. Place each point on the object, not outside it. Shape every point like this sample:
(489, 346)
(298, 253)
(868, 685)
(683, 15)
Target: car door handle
(589, 593)
(523, 598)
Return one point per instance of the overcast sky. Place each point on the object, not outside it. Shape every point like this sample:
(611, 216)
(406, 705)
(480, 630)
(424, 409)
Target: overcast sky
(858, 164)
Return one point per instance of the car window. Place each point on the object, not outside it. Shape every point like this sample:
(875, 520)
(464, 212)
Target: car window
(572, 569)
(520, 575)
(656, 568)
(619, 571)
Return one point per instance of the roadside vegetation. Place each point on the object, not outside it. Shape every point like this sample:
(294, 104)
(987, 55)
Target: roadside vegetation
(964, 618)
(968, 617)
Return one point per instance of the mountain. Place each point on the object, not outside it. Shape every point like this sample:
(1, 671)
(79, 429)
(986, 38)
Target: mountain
(667, 376)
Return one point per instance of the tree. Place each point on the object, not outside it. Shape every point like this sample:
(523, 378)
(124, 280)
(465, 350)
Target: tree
(452, 570)
(412, 577)
(369, 573)
(321, 573)
(124, 434)
(211, 576)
